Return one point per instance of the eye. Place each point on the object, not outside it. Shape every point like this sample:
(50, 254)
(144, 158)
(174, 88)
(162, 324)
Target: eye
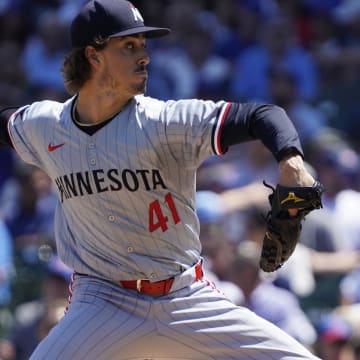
(133, 45)
(130, 45)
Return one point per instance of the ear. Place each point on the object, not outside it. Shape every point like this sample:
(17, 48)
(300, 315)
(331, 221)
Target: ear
(95, 58)
(92, 55)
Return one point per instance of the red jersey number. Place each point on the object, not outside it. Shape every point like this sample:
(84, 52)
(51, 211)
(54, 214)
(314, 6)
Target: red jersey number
(157, 219)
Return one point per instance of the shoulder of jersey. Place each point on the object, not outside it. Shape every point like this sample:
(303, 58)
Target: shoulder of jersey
(148, 101)
(48, 108)
(150, 105)
(41, 111)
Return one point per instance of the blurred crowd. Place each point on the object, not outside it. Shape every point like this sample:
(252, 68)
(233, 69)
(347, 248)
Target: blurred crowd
(303, 55)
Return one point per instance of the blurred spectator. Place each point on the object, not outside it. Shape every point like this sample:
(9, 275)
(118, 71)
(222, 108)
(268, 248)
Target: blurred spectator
(338, 169)
(33, 203)
(296, 12)
(276, 305)
(244, 164)
(171, 73)
(324, 42)
(6, 274)
(14, 26)
(6, 264)
(284, 91)
(217, 176)
(13, 83)
(334, 335)
(321, 232)
(217, 250)
(46, 199)
(276, 47)
(12, 93)
(351, 314)
(341, 62)
(333, 233)
(347, 14)
(318, 257)
(43, 55)
(318, 252)
(350, 288)
(199, 71)
(234, 26)
(322, 5)
(31, 225)
(33, 320)
(256, 164)
(68, 9)
(286, 277)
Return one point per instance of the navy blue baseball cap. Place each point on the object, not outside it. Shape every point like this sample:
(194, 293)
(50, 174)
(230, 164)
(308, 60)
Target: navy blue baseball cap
(108, 19)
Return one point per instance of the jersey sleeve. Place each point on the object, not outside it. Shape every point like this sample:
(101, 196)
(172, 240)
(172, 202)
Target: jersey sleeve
(18, 132)
(27, 128)
(196, 129)
(193, 129)
(266, 122)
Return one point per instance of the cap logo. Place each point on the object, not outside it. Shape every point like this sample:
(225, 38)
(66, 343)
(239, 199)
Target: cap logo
(136, 13)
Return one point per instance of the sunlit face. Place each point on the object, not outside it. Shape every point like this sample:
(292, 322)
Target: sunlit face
(122, 66)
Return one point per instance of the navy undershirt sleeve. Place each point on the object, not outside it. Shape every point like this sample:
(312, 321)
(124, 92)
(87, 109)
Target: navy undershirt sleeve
(4, 118)
(266, 122)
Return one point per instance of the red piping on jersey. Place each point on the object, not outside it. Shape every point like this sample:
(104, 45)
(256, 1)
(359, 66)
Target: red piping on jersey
(219, 128)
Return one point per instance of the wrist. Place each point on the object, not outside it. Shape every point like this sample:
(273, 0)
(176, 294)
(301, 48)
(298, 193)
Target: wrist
(293, 172)
(290, 152)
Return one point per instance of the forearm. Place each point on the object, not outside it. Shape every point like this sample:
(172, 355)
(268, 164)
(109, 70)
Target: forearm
(271, 125)
(293, 172)
(268, 123)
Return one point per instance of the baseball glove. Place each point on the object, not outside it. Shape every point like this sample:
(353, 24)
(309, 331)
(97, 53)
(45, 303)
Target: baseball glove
(283, 230)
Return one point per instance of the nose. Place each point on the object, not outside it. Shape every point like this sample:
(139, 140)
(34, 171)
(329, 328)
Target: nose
(144, 59)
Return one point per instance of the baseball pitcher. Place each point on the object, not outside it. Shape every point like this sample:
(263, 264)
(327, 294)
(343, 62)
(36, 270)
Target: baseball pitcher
(124, 167)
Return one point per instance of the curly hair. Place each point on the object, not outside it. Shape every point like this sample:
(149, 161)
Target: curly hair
(76, 69)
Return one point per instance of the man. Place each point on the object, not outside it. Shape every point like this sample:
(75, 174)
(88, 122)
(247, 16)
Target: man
(124, 166)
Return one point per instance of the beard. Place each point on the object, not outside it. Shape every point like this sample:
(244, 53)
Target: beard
(113, 85)
(140, 88)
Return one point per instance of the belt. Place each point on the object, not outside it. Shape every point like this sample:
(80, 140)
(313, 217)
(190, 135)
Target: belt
(158, 288)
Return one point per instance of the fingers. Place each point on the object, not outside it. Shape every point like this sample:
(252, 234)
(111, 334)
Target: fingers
(293, 212)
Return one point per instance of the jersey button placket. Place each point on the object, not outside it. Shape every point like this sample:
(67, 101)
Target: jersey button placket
(92, 153)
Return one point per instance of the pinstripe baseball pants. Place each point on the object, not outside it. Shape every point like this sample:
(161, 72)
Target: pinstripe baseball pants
(106, 322)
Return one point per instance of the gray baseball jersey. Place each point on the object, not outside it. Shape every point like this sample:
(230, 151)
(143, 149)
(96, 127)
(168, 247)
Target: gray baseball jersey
(126, 211)
(126, 193)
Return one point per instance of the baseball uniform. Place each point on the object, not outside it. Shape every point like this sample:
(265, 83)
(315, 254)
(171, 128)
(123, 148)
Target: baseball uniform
(127, 212)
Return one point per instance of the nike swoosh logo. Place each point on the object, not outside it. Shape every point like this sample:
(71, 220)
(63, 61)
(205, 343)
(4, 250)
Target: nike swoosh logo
(54, 147)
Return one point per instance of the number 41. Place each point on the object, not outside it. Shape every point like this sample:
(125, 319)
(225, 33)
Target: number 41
(157, 219)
